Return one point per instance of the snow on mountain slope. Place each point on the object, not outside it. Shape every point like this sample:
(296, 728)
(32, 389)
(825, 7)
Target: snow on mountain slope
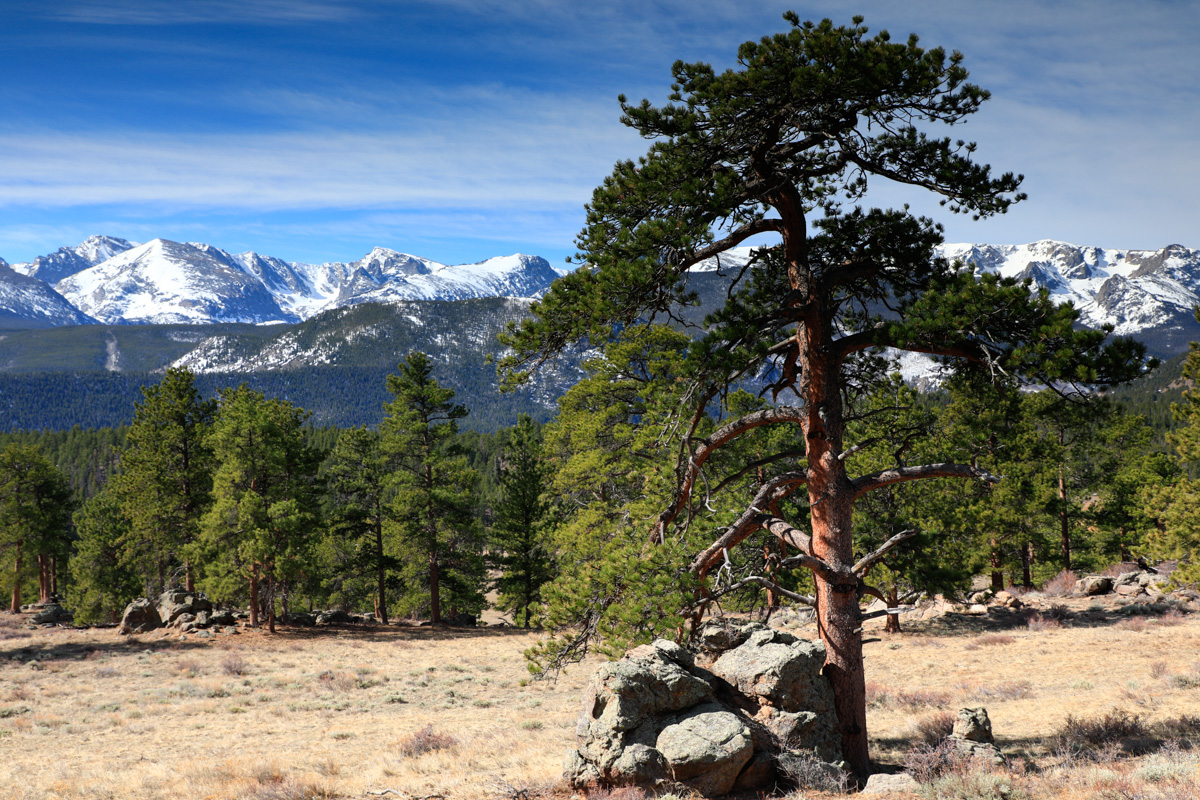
(504, 276)
(168, 282)
(1147, 294)
(67, 261)
(27, 302)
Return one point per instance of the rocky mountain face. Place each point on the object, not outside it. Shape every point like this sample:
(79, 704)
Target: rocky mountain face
(27, 302)
(163, 282)
(68, 260)
(1148, 294)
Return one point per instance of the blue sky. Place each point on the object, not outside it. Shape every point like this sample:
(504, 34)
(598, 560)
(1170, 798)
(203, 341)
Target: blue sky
(314, 130)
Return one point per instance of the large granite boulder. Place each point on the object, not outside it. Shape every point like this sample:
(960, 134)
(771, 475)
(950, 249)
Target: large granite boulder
(972, 734)
(140, 616)
(52, 613)
(707, 749)
(657, 718)
(174, 603)
(1092, 585)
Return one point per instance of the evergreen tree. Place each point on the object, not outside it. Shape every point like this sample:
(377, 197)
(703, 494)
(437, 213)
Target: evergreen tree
(433, 510)
(519, 535)
(102, 580)
(356, 551)
(35, 518)
(1176, 504)
(259, 531)
(810, 117)
(166, 477)
(895, 426)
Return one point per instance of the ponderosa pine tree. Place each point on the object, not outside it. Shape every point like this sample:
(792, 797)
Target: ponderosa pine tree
(102, 579)
(260, 530)
(166, 477)
(433, 507)
(35, 517)
(359, 474)
(775, 148)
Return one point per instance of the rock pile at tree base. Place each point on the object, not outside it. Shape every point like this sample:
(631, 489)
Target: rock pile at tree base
(714, 721)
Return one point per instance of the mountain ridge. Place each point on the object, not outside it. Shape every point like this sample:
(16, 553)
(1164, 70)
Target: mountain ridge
(1148, 294)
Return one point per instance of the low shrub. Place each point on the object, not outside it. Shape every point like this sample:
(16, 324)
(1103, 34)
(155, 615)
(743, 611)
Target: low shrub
(1061, 584)
(426, 740)
(928, 762)
(806, 770)
(234, 664)
(1041, 622)
(934, 728)
(1083, 736)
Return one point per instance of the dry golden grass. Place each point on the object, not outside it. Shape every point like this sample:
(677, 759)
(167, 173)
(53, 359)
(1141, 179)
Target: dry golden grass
(350, 712)
(88, 714)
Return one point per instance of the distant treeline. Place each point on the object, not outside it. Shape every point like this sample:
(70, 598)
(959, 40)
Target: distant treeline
(341, 397)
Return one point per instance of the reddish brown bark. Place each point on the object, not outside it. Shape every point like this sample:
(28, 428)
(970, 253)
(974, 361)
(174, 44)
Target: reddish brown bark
(16, 592)
(893, 620)
(254, 597)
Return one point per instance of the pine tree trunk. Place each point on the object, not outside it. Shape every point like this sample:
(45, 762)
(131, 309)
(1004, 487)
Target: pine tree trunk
(1026, 559)
(381, 598)
(254, 598)
(997, 564)
(435, 599)
(1064, 522)
(189, 577)
(15, 608)
(839, 622)
(893, 620)
(270, 604)
(53, 576)
(43, 563)
(831, 508)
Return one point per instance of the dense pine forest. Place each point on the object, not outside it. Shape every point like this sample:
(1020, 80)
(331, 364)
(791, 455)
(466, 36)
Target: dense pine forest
(417, 513)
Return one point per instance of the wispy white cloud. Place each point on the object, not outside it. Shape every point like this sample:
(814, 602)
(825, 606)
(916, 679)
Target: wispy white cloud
(175, 12)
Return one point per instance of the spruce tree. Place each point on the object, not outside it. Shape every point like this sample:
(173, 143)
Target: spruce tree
(356, 547)
(102, 579)
(35, 518)
(166, 478)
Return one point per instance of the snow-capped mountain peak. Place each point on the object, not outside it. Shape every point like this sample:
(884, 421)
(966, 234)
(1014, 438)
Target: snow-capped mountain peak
(67, 261)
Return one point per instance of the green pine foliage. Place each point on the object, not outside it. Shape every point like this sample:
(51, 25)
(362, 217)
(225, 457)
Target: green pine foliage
(358, 562)
(103, 581)
(519, 537)
(165, 482)
(432, 511)
(35, 521)
(257, 538)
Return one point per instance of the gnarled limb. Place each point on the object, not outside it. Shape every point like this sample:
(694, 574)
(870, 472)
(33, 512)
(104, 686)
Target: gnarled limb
(770, 492)
(887, 477)
(708, 446)
(767, 583)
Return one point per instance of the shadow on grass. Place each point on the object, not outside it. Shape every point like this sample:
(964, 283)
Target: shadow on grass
(999, 619)
(41, 647)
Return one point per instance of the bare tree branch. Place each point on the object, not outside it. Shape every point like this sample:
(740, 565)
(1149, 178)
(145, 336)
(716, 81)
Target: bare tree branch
(866, 562)
(770, 492)
(705, 450)
(807, 600)
(887, 477)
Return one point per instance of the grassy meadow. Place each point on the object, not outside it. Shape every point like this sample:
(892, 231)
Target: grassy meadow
(418, 712)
